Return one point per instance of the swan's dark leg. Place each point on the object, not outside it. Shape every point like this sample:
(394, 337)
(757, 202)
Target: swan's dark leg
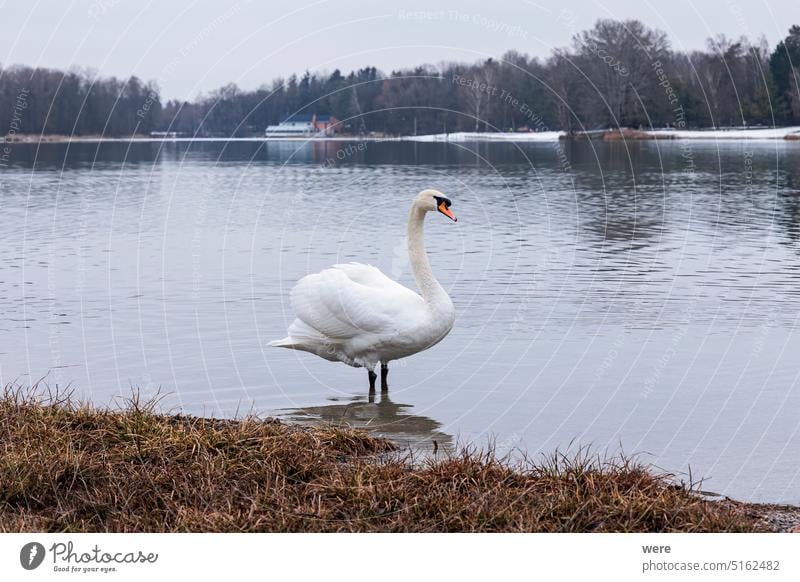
(384, 377)
(372, 376)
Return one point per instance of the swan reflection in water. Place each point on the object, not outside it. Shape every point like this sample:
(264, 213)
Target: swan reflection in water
(381, 416)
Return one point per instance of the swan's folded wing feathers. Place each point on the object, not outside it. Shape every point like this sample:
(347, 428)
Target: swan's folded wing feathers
(374, 277)
(314, 302)
(369, 276)
(350, 300)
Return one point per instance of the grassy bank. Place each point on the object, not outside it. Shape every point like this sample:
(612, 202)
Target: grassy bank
(70, 467)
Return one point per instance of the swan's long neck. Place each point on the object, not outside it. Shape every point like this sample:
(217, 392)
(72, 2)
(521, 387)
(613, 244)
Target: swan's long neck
(430, 289)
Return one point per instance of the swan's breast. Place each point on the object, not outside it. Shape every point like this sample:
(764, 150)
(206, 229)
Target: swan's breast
(413, 335)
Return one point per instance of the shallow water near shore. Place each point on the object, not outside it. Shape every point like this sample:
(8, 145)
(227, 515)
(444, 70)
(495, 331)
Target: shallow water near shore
(641, 296)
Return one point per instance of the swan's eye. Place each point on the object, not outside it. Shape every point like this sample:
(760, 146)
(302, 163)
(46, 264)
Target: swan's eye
(442, 200)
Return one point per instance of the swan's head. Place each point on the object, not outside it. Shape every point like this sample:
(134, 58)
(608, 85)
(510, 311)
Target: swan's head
(435, 201)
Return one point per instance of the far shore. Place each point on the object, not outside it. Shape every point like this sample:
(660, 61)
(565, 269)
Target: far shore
(622, 134)
(67, 466)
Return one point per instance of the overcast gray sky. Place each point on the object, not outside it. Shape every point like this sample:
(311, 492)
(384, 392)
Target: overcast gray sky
(195, 46)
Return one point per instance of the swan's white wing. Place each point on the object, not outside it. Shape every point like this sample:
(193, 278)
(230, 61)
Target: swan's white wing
(371, 277)
(353, 299)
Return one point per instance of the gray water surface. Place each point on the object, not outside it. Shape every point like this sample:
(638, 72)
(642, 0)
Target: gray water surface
(643, 297)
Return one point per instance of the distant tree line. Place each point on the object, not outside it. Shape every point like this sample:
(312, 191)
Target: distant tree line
(46, 101)
(619, 73)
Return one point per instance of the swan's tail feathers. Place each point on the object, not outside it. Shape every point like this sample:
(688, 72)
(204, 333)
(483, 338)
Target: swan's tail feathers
(292, 343)
(302, 337)
(286, 342)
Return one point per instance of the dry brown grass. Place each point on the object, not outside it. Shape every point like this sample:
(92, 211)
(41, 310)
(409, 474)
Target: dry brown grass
(70, 467)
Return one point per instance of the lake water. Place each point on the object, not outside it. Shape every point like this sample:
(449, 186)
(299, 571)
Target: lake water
(643, 297)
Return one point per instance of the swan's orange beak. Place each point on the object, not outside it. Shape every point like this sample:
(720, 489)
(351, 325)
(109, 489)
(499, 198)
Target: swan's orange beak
(446, 211)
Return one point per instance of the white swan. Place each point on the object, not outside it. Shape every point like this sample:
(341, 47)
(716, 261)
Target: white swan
(355, 314)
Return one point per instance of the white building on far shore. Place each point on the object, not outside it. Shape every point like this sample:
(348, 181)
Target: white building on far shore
(303, 124)
(297, 125)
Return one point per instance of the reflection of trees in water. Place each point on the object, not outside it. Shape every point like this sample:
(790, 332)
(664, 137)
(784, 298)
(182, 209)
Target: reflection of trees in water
(624, 217)
(382, 416)
(789, 195)
(90, 156)
(627, 193)
(614, 203)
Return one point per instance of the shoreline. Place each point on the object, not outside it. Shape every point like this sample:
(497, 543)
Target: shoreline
(791, 134)
(70, 466)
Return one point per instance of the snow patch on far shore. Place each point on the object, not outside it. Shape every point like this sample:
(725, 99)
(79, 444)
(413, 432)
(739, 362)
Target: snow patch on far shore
(465, 136)
(545, 136)
(715, 134)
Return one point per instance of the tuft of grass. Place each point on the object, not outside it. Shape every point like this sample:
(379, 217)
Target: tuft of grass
(66, 466)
